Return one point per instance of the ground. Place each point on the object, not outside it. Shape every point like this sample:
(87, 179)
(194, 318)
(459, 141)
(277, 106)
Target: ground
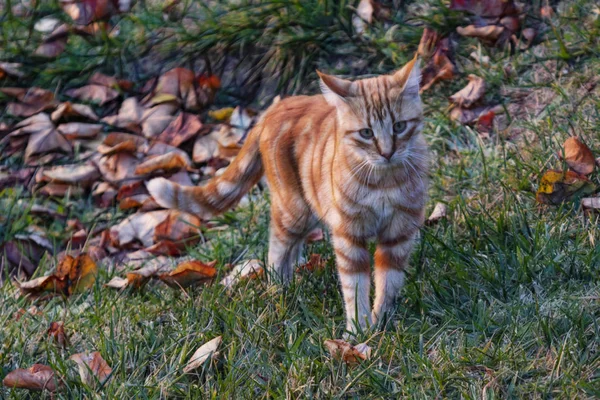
(502, 298)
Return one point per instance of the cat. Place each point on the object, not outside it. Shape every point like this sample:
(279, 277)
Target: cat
(352, 158)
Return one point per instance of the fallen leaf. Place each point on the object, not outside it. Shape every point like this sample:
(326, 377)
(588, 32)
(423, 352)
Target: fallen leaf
(10, 69)
(578, 156)
(485, 122)
(315, 262)
(37, 377)
(129, 116)
(222, 114)
(57, 332)
(591, 203)
(16, 256)
(342, 350)
(104, 194)
(440, 211)
(84, 175)
(46, 24)
(80, 130)
(181, 129)
(31, 100)
(151, 227)
(68, 109)
(471, 93)
(467, 116)
(83, 274)
(206, 148)
(363, 16)
(429, 39)
(485, 8)
(118, 283)
(61, 190)
(440, 66)
(489, 33)
(177, 84)
(156, 119)
(247, 270)
(92, 367)
(202, 354)
(190, 273)
(116, 167)
(557, 187)
(49, 283)
(55, 44)
(94, 94)
(84, 12)
(167, 162)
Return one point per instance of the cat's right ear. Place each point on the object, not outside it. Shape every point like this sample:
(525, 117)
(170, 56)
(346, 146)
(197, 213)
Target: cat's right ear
(336, 90)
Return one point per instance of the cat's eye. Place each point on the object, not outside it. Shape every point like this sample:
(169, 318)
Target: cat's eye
(366, 133)
(399, 126)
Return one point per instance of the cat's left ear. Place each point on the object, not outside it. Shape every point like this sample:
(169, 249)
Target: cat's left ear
(409, 77)
(336, 90)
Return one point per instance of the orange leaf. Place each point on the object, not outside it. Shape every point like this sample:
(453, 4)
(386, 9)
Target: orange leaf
(471, 93)
(166, 162)
(92, 367)
(342, 350)
(190, 273)
(57, 332)
(579, 157)
(557, 187)
(37, 377)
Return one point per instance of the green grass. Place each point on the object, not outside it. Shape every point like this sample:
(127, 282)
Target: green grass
(502, 300)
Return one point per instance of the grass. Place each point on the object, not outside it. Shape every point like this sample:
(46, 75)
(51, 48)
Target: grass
(502, 300)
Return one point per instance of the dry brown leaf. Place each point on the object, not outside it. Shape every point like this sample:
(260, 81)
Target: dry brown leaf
(55, 44)
(94, 94)
(440, 211)
(31, 100)
(57, 332)
(315, 262)
(578, 156)
(591, 203)
(190, 273)
(10, 69)
(177, 84)
(73, 275)
(468, 116)
(181, 129)
(129, 116)
(79, 130)
(427, 44)
(208, 349)
(489, 33)
(61, 190)
(68, 109)
(247, 270)
(167, 162)
(104, 194)
(116, 167)
(440, 66)
(156, 119)
(485, 8)
(15, 255)
(557, 187)
(342, 350)
(206, 148)
(471, 93)
(92, 368)
(84, 175)
(84, 12)
(152, 227)
(37, 377)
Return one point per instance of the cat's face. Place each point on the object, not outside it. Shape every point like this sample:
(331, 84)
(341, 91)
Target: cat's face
(379, 118)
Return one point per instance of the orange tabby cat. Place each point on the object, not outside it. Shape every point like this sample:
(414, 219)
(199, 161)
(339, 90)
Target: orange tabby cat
(353, 158)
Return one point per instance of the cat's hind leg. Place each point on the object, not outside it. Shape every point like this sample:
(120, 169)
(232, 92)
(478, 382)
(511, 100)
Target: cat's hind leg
(287, 234)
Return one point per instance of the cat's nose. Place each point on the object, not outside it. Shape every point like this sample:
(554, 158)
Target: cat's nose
(387, 155)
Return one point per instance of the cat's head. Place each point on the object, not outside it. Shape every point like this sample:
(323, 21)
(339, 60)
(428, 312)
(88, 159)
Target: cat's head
(379, 118)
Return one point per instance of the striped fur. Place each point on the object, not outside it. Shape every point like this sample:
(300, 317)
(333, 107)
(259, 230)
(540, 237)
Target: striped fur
(320, 168)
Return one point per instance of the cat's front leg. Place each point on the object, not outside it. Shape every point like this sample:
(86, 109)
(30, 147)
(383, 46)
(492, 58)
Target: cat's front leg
(353, 265)
(391, 259)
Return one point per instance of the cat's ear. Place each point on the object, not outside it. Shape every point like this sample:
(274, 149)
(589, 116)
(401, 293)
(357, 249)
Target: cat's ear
(409, 77)
(335, 89)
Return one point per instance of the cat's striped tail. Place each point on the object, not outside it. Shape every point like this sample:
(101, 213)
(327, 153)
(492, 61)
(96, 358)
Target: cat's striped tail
(220, 193)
